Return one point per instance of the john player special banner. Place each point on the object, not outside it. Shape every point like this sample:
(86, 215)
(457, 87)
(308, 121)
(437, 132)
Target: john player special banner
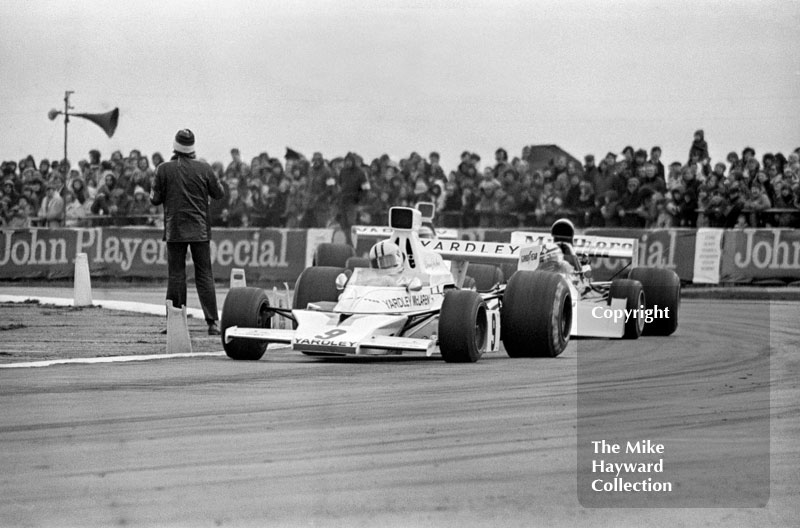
(271, 254)
(281, 254)
(759, 254)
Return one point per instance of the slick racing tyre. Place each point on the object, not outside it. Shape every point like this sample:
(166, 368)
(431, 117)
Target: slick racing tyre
(462, 327)
(245, 308)
(356, 262)
(633, 293)
(536, 316)
(486, 276)
(334, 255)
(662, 288)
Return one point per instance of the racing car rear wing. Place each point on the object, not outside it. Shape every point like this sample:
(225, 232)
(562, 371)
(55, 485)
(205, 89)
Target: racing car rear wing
(586, 245)
(476, 252)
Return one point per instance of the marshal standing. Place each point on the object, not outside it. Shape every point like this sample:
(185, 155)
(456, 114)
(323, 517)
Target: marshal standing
(184, 186)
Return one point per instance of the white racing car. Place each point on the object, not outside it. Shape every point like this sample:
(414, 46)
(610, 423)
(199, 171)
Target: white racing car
(411, 301)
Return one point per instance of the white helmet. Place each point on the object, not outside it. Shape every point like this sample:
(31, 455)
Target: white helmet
(386, 255)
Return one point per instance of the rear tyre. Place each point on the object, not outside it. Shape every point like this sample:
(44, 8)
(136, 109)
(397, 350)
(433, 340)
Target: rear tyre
(356, 262)
(486, 276)
(245, 308)
(316, 284)
(334, 255)
(633, 293)
(662, 288)
(536, 316)
(462, 327)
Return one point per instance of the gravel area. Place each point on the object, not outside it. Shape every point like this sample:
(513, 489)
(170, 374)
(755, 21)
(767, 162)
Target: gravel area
(32, 331)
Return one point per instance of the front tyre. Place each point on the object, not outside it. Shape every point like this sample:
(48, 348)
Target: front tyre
(662, 289)
(462, 327)
(536, 316)
(633, 293)
(245, 308)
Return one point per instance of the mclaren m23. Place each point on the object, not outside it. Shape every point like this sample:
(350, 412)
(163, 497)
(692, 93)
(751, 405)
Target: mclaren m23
(422, 306)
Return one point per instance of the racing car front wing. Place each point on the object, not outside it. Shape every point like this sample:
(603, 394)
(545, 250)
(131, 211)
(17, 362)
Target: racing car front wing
(372, 345)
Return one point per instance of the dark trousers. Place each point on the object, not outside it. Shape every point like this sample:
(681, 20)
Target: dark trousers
(348, 217)
(203, 276)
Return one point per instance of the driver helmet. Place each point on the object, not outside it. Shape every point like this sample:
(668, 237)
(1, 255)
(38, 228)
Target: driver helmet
(563, 231)
(386, 255)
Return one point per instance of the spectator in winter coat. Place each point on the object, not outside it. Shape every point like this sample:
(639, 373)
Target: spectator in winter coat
(784, 199)
(52, 208)
(450, 212)
(19, 216)
(652, 181)
(74, 212)
(699, 146)
(584, 205)
(10, 191)
(139, 207)
(235, 209)
(119, 207)
(629, 202)
(688, 209)
(689, 182)
(590, 170)
(758, 202)
(655, 159)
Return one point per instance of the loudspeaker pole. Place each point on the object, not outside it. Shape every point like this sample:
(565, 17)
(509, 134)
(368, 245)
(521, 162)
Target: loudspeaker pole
(107, 120)
(67, 108)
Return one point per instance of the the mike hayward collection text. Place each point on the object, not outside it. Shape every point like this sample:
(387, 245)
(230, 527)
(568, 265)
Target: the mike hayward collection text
(626, 476)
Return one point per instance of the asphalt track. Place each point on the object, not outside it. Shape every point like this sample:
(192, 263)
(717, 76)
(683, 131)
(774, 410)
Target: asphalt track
(295, 441)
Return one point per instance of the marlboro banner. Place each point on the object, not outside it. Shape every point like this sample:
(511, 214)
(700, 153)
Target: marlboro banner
(264, 254)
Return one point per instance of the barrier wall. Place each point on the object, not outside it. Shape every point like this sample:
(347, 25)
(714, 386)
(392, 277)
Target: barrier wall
(696, 255)
(269, 254)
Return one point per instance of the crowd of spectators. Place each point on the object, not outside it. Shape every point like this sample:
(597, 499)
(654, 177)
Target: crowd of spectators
(633, 189)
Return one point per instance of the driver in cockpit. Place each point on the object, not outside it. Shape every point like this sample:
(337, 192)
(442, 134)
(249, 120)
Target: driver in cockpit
(386, 255)
(563, 233)
(567, 261)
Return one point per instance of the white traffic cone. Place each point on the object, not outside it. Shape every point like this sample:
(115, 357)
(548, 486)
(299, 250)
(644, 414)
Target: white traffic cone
(178, 341)
(237, 278)
(82, 281)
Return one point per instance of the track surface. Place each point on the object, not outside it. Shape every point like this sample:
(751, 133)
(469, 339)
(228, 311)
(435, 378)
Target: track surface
(294, 441)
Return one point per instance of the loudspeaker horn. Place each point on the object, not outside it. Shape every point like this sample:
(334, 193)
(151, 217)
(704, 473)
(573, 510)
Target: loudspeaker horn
(106, 121)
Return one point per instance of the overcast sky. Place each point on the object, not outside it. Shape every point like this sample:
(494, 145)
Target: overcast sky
(398, 76)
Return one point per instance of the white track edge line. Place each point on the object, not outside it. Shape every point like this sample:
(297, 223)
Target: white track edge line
(107, 359)
(124, 306)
